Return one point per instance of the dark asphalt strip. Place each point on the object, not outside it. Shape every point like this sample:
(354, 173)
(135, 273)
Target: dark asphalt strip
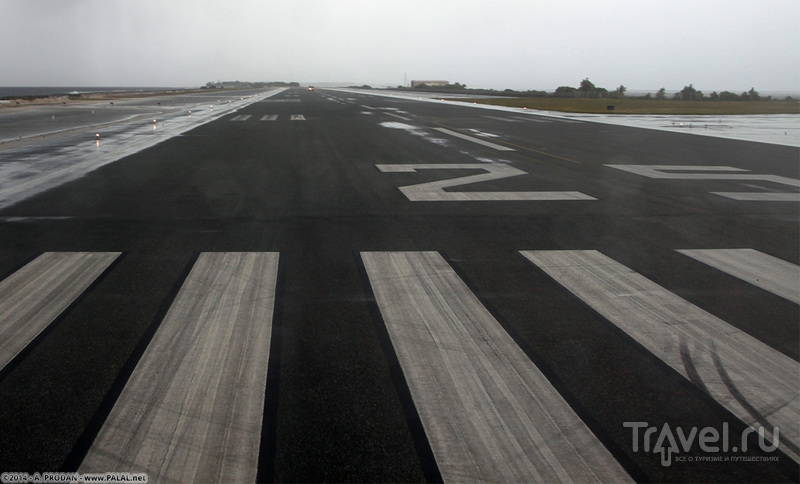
(81, 447)
(424, 451)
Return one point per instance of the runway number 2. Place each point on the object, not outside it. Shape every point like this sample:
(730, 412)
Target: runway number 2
(435, 191)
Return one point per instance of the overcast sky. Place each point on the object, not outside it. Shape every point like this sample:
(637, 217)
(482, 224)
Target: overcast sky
(519, 44)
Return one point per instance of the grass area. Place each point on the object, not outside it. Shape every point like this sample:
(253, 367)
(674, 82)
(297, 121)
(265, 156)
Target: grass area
(645, 106)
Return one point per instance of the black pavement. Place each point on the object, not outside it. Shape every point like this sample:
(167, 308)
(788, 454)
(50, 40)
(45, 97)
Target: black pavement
(300, 176)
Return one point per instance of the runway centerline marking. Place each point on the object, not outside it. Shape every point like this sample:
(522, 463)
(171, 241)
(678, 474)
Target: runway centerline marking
(404, 118)
(526, 148)
(242, 117)
(775, 275)
(297, 117)
(474, 140)
(269, 117)
(755, 382)
(34, 296)
(193, 407)
(507, 120)
(434, 191)
(489, 413)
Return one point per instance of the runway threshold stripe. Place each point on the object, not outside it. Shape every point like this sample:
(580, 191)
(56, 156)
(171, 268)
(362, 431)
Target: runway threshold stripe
(755, 382)
(775, 275)
(760, 196)
(192, 409)
(34, 296)
(488, 412)
(474, 140)
(242, 117)
(297, 117)
(269, 117)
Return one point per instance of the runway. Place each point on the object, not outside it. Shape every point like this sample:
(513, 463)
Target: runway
(329, 286)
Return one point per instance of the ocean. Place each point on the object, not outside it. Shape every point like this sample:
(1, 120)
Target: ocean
(15, 92)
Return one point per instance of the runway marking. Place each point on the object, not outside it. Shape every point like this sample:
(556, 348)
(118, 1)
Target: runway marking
(475, 140)
(298, 117)
(380, 108)
(413, 130)
(526, 148)
(289, 100)
(269, 117)
(507, 120)
(483, 133)
(532, 119)
(34, 296)
(242, 117)
(755, 382)
(404, 118)
(775, 275)
(488, 412)
(434, 191)
(192, 409)
(668, 172)
(760, 197)
(561, 120)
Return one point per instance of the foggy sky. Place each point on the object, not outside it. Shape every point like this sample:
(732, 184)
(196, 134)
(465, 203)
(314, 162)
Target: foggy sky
(519, 44)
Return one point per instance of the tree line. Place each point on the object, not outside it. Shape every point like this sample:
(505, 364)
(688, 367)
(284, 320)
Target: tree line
(587, 89)
(688, 93)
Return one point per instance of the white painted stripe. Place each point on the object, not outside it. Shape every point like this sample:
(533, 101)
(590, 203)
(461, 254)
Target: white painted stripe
(760, 196)
(775, 275)
(755, 382)
(561, 120)
(474, 140)
(193, 407)
(242, 117)
(488, 412)
(532, 119)
(673, 172)
(298, 117)
(32, 297)
(507, 120)
(269, 117)
(404, 118)
(483, 133)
